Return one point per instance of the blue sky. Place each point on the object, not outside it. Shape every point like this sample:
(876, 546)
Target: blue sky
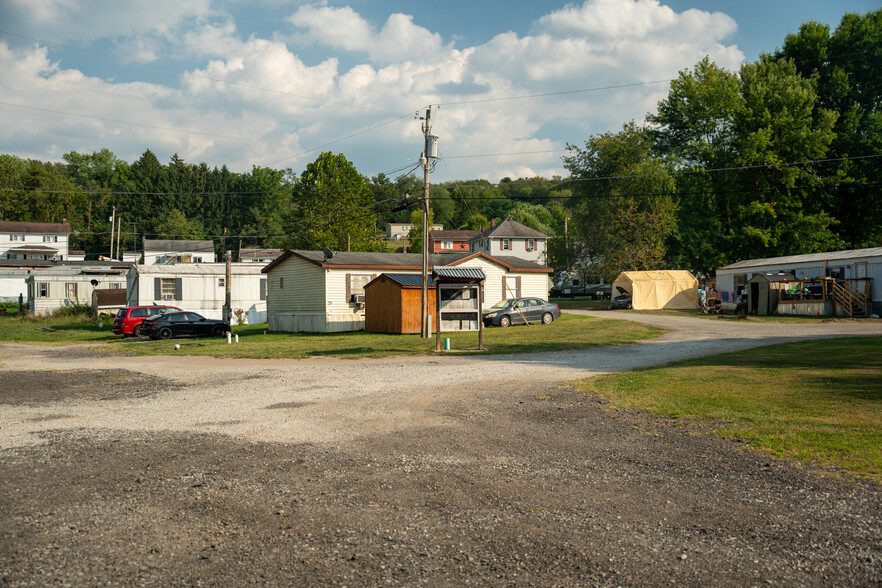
(275, 82)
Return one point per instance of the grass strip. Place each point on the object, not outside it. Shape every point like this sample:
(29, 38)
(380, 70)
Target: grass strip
(814, 401)
(567, 333)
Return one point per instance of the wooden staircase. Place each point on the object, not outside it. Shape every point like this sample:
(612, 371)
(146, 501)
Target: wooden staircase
(852, 301)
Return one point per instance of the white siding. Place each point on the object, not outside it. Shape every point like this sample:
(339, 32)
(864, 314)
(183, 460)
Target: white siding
(201, 289)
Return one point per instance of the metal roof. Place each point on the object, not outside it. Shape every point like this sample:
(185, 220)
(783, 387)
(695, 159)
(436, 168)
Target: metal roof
(806, 258)
(459, 273)
(199, 269)
(409, 280)
(179, 245)
(22, 227)
(775, 277)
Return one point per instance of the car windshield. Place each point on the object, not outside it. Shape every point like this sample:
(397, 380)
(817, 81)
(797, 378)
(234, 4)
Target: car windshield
(503, 304)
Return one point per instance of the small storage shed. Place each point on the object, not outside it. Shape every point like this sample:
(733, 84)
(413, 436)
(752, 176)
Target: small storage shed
(392, 303)
(764, 291)
(107, 300)
(654, 290)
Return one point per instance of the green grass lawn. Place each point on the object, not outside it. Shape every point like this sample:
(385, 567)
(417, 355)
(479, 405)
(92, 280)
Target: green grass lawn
(816, 401)
(568, 332)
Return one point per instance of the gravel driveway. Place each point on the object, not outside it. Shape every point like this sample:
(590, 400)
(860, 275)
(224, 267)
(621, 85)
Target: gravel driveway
(441, 470)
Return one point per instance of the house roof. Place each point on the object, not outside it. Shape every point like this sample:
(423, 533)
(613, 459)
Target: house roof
(259, 253)
(453, 235)
(87, 265)
(382, 261)
(510, 229)
(176, 245)
(43, 228)
(39, 248)
(198, 269)
(806, 258)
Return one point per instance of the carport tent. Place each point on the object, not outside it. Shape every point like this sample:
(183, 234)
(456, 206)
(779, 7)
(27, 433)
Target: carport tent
(659, 289)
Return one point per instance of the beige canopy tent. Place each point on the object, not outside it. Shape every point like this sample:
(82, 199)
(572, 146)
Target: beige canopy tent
(653, 290)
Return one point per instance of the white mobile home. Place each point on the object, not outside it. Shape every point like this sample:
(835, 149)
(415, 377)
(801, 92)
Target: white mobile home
(69, 285)
(200, 287)
(309, 292)
(858, 266)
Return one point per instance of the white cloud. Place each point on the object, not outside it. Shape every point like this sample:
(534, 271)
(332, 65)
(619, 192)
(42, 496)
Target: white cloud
(343, 28)
(283, 103)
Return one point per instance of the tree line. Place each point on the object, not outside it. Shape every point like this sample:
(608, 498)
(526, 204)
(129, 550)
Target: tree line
(778, 158)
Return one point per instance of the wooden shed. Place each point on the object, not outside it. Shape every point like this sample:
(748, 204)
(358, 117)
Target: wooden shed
(764, 291)
(392, 303)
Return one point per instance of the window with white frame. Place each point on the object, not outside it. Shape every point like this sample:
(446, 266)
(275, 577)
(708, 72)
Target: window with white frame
(220, 282)
(16, 237)
(505, 244)
(531, 244)
(446, 244)
(50, 238)
(43, 289)
(70, 290)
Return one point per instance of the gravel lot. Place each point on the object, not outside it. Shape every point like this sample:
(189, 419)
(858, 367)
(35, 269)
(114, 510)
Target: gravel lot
(440, 470)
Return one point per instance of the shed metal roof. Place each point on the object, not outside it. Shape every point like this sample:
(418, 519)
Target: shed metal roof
(409, 280)
(460, 273)
(846, 255)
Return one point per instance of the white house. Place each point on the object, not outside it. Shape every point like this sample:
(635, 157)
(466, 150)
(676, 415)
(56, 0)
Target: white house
(34, 241)
(200, 287)
(398, 231)
(855, 265)
(52, 288)
(511, 238)
(309, 292)
(169, 251)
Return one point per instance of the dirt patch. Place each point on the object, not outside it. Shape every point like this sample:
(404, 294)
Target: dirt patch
(44, 387)
(532, 488)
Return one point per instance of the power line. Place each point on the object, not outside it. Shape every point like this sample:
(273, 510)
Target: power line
(191, 74)
(361, 132)
(561, 93)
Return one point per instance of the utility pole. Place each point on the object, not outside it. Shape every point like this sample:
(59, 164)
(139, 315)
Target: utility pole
(430, 152)
(118, 233)
(112, 223)
(228, 301)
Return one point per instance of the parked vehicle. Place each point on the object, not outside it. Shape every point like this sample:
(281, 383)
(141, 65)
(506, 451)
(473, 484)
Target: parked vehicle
(183, 324)
(570, 289)
(127, 321)
(623, 300)
(514, 310)
(599, 291)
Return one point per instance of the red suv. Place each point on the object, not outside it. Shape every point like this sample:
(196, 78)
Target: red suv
(128, 320)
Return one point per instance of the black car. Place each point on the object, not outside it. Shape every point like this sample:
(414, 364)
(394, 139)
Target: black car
(599, 291)
(622, 301)
(514, 310)
(182, 324)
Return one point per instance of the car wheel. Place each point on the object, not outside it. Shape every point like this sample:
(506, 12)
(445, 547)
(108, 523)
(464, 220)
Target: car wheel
(136, 332)
(505, 321)
(547, 318)
(628, 306)
(165, 333)
(217, 331)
